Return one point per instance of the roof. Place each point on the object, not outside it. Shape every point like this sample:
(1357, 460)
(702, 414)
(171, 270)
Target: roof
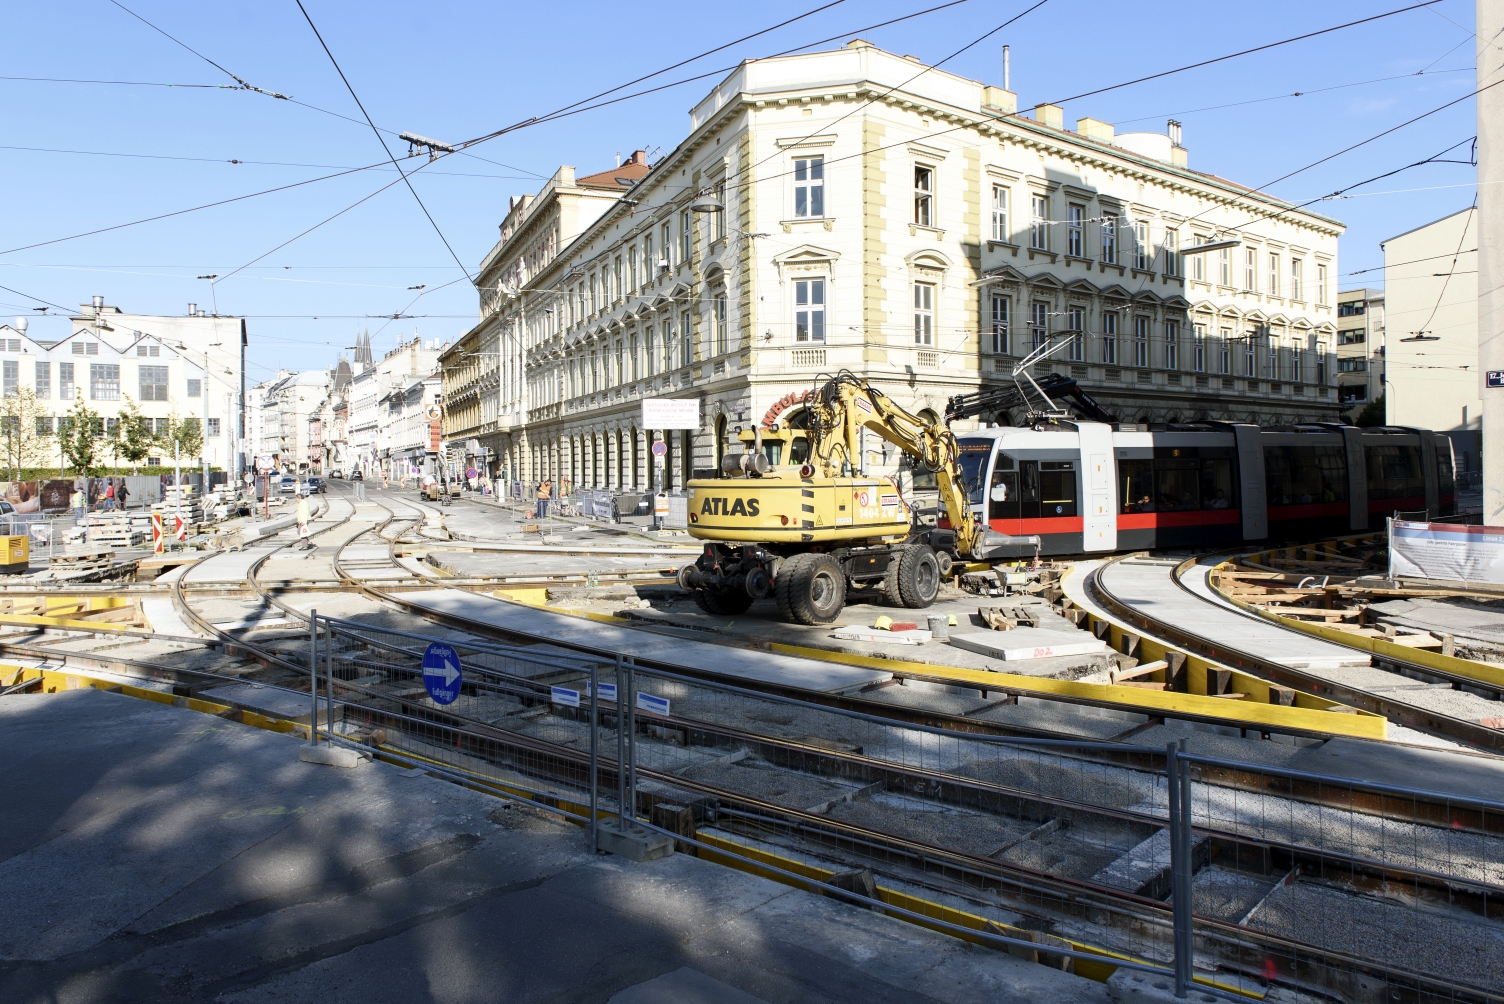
(619, 178)
(1423, 226)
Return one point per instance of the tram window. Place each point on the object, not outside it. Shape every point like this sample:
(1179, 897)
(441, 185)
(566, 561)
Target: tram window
(973, 461)
(1177, 485)
(1394, 472)
(1216, 485)
(1446, 482)
(1297, 475)
(1007, 508)
(1057, 488)
(1136, 485)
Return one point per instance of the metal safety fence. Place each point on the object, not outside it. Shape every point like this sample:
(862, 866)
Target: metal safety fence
(1225, 877)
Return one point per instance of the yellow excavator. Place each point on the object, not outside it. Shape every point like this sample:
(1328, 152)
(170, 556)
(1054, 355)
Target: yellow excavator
(805, 533)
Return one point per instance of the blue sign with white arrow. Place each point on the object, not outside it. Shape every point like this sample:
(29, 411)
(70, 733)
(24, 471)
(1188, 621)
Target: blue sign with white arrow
(441, 673)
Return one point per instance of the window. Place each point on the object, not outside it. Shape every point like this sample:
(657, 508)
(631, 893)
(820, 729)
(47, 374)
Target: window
(924, 196)
(667, 261)
(649, 265)
(686, 236)
(65, 381)
(924, 313)
(595, 372)
(1356, 364)
(1198, 348)
(1297, 363)
(1321, 285)
(809, 187)
(1198, 261)
(594, 301)
(1276, 371)
(720, 217)
(1250, 270)
(153, 383)
(635, 363)
(44, 425)
(193, 388)
(615, 291)
(1250, 361)
(686, 342)
(1172, 252)
(1110, 337)
(1321, 363)
(621, 370)
(1273, 289)
(1000, 230)
(649, 340)
(1075, 322)
(1141, 245)
(12, 378)
(10, 344)
(1172, 345)
(1140, 341)
(162, 426)
(720, 324)
(633, 279)
(1300, 475)
(809, 310)
(1224, 351)
(104, 382)
(1039, 319)
(151, 351)
(44, 379)
(1039, 232)
(999, 324)
(1297, 278)
(1110, 240)
(1224, 266)
(1352, 308)
(1075, 215)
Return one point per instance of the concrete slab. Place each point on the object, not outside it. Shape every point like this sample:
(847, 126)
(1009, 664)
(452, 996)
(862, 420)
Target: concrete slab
(154, 854)
(725, 660)
(164, 617)
(683, 986)
(274, 702)
(1024, 643)
(227, 566)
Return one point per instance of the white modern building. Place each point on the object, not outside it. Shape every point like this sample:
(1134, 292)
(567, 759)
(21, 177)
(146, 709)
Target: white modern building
(907, 227)
(1431, 369)
(370, 437)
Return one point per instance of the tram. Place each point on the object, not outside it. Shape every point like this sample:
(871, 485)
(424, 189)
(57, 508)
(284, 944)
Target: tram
(1082, 487)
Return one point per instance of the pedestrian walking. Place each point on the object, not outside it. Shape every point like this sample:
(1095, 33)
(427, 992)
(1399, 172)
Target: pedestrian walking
(121, 494)
(545, 491)
(304, 514)
(79, 502)
(109, 497)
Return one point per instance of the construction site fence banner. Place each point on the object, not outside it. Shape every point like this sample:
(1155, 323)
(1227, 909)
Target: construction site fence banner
(1449, 551)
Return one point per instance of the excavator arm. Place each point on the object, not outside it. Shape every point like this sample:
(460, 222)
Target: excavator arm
(847, 404)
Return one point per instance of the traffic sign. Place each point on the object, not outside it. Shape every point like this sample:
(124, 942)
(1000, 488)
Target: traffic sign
(442, 677)
(660, 448)
(470, 472)
(1496, 378)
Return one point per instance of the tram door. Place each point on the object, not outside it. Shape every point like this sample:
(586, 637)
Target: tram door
(1028, 489)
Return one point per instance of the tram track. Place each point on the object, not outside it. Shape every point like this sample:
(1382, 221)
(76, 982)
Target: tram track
(1212, 630)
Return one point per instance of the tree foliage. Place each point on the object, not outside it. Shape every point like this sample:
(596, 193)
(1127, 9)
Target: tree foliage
(184, 438)
(24, 444)
(133, 437)
(80, 438)
(1371, 414)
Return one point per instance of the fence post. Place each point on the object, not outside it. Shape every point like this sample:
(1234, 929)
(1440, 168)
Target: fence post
(621, 754)
(329, 674)
(595, 688)
(313, 670)
(1177, 774)
(632, 740)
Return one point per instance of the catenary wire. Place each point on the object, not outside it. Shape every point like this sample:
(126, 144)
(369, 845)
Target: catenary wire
(380, 138)
(255, 163)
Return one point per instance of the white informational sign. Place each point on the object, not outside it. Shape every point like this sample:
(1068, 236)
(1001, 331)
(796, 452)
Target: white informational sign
(564, 696)
(670, 413)
(657, 705)
(608, 691)
(1448, 551)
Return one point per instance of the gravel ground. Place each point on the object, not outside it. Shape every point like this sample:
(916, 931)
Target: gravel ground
(1451, 946)
(948, 826)
(1227, 895)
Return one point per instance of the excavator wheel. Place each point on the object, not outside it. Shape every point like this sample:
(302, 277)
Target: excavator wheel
(918, 576)
(810, 589)
(727, 604)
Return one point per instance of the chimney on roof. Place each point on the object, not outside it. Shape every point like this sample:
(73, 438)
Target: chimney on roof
(638, 157)
(1050, 115)
(98, 302)
(192, 310)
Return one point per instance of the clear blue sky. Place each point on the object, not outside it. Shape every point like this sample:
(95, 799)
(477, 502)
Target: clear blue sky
(454, 71)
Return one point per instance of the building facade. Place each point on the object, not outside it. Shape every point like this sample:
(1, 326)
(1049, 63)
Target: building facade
(1431, 350)
(913, 231)
(370, 436)
(1360, 348)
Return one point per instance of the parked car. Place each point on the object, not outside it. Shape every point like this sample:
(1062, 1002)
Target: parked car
(336, 475)
(315, 484)
(288, 485)
(355, 475)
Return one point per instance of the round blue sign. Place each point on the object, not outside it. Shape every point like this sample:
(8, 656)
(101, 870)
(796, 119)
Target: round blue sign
(441, 673)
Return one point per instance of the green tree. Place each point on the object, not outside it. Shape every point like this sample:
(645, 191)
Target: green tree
(79, 437)
(26, 441)
(133, 438)
(185, 435)
(1371, 414)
